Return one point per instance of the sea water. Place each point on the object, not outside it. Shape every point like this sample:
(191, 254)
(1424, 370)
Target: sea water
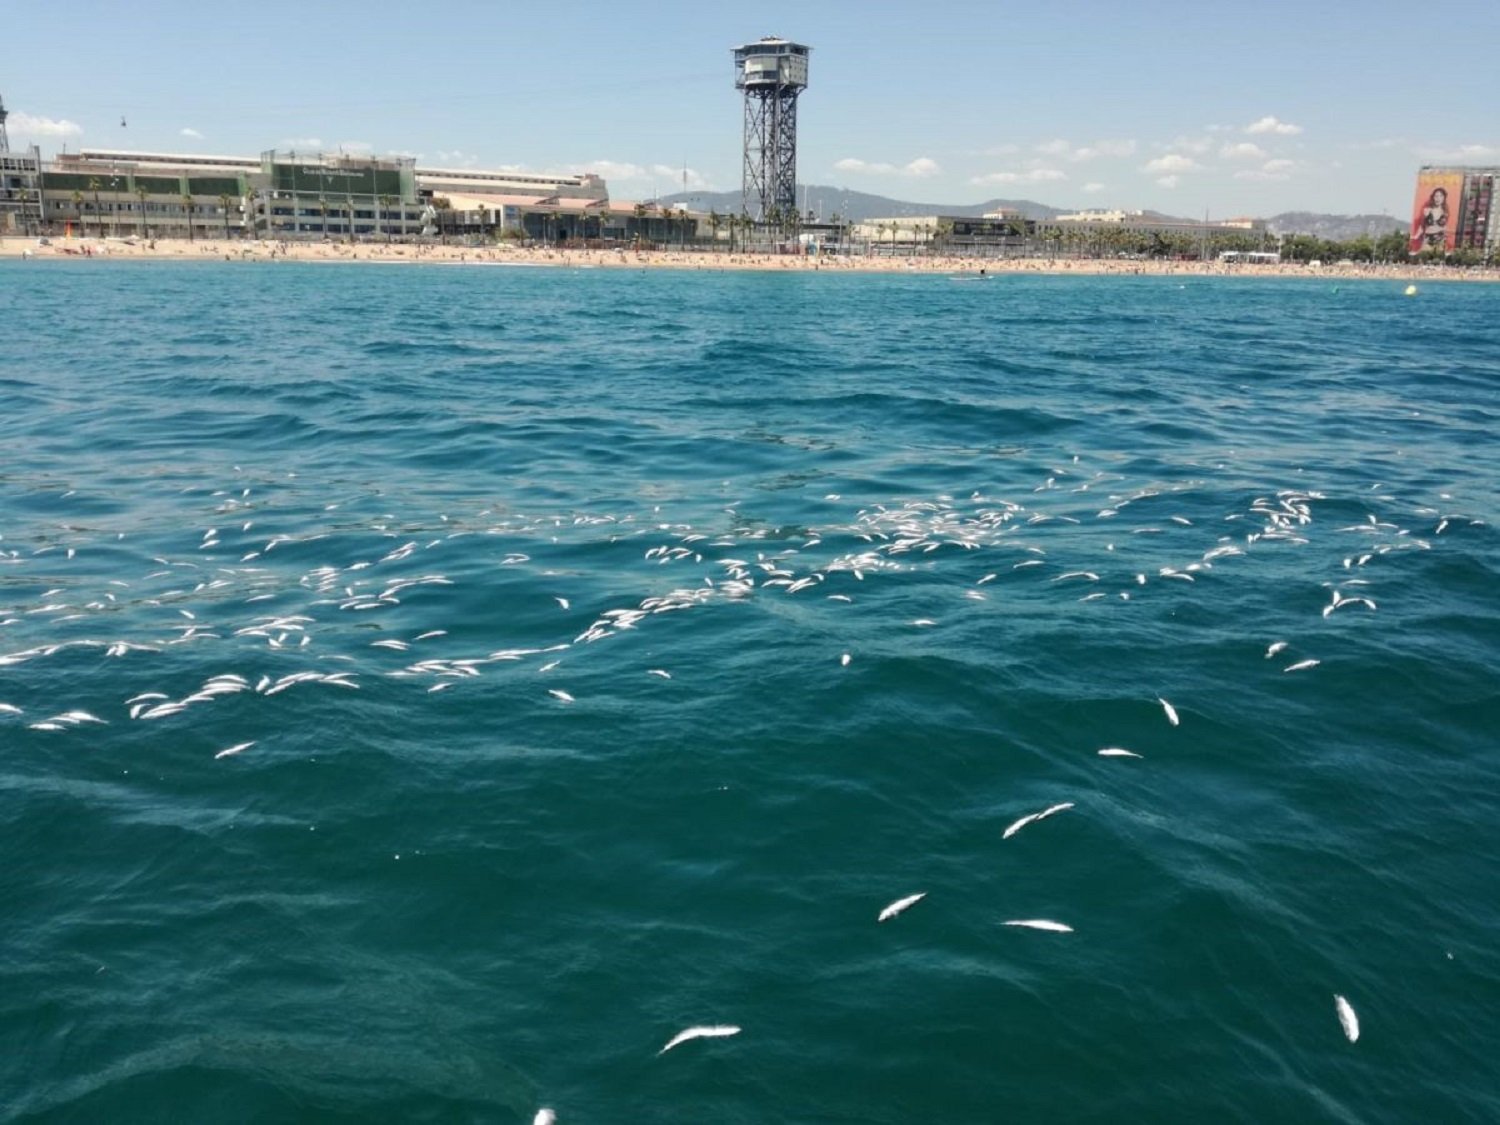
(430, 689)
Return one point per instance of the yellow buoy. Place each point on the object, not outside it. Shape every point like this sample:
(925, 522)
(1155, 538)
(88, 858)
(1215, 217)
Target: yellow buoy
(1411, 290)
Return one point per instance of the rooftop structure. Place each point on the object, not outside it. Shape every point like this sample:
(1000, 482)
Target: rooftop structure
(1098, 216)
(184, 161)
(771, 72)
(475, 181)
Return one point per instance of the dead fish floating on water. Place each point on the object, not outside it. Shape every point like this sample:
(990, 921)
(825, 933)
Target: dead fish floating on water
(714, 1032)
(1041, 924)
(1347, 1019)
(1170, 711)
(900, 905)
(1025, 820)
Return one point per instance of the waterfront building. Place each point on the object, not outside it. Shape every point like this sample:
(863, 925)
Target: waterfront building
(568, 220)
(342, 197)
(21, 191)
(115, 192)
(1145, 222)
(995, 232)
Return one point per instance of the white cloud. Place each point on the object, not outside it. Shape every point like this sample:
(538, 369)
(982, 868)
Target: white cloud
(1245, 150)
(29, 125)
(995, 150)
(356, 148)
(1123, 147)
(641, 181)
(1171, 166)
(920, 168)
(675, 176)
(1461, 154)
(457, 158)
(1030, 176)
(190, 132)
(1093, 187)
(614, 169)
(306, 144)
(1063, 150)
(1198, 146)
(1270, 170)
(1169, 181)
(1269, 124)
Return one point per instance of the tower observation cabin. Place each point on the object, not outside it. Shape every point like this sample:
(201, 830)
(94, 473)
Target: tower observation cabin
(771, 72)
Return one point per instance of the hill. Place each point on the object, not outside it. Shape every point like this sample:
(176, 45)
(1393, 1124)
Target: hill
(1336, 228)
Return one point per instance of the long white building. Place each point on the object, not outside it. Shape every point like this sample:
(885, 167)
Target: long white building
(277, 194)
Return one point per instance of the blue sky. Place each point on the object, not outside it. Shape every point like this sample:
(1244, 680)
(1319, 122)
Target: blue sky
(1230, 109)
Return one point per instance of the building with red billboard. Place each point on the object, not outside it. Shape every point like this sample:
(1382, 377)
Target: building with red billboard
(1456, 209)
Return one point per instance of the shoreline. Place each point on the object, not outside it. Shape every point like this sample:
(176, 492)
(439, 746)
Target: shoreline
(93, 249)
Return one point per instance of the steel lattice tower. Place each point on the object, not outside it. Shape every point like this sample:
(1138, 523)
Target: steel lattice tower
(771, 72)
(4, 139)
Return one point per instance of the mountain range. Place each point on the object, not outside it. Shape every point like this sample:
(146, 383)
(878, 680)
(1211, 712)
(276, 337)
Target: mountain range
(826, 202)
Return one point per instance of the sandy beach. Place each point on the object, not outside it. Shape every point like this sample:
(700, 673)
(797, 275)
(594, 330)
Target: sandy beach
(706, 259)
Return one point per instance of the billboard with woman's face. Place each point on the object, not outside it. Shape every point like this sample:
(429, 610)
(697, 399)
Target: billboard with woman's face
(1434, 220)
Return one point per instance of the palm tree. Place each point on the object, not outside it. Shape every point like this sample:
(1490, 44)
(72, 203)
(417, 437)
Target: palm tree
(140, 194)
(225, 202)
(603, 221)
(323, 210)
(187, 208)
(484, 214)
(682, 221)
(78, 211)
(944, 232)
(95, 186)
(715, 221)
(385, 205)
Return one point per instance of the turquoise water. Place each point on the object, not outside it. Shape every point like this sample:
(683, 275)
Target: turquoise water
(523, 597)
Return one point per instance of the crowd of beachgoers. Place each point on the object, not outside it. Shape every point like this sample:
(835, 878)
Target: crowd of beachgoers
(692, 259)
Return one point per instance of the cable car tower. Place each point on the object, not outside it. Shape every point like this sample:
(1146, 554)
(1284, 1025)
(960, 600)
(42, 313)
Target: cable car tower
(4, 140)
(772, 72)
